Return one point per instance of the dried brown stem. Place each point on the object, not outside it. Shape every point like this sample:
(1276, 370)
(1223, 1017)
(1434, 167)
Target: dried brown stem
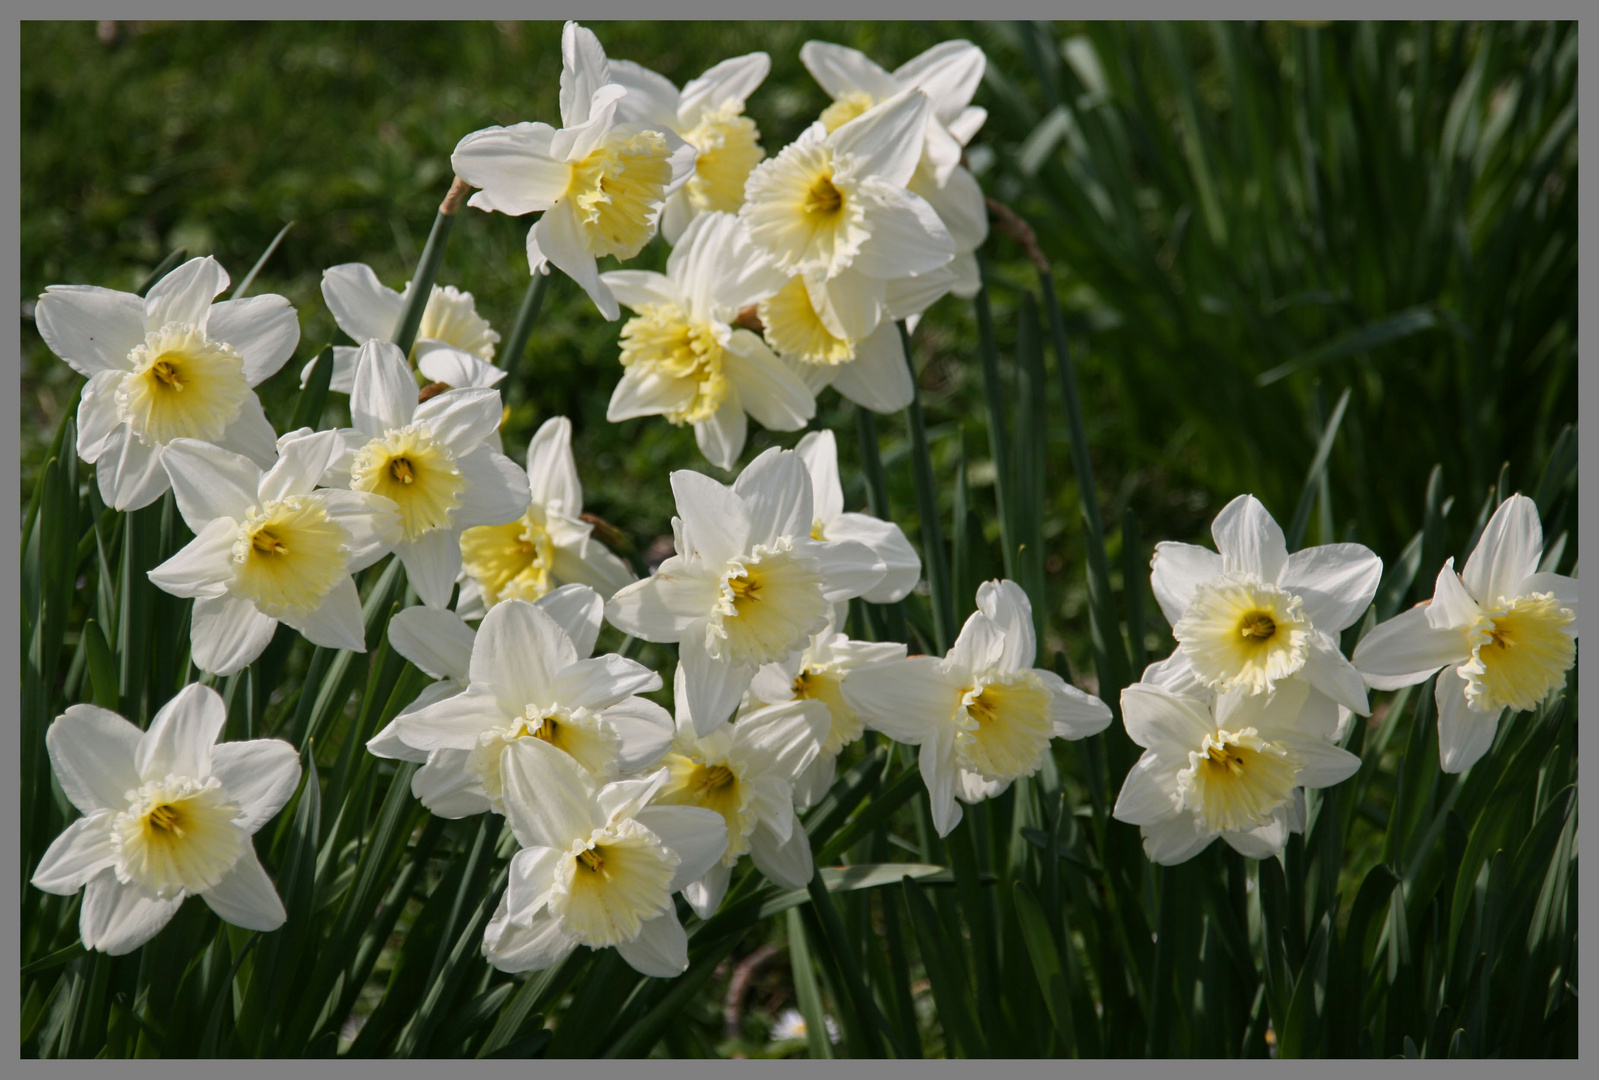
(455, 197)
(743, 975)
(431, 390)
(1011, 224)
(748, 319)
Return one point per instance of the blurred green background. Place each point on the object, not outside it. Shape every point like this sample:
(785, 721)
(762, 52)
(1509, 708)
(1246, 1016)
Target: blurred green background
(1244, 221)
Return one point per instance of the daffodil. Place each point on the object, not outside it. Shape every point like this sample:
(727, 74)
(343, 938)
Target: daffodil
(531, 676)
(681, 356)
(833, 210)
(270, 547)
(548, 546)
(708, 114)
(600, 182)
(745, 772)
(948, 73)
(1254, 615)
(598, 866)
(747, 586)
(1232, 765)
(819, 451)
(168, 813)
(454, 344)
(982, 715)
(168, 366)
(818, 673)
(438, 462)
(1503, 633)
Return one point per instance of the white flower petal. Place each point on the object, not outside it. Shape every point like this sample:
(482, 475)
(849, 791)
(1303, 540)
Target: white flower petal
(651, 99)
(716, 522)
(879, 378)
(579, 610)
(1327, 670)
(246, 897)
(436, 641)
(1325, 764)
(1250, 540)
(362, 306)
(202, 567)
(549, 797)
(908, 297)
(588, 562)
(1007, 605)
(259, 774)
(711, 688)
(1452, 606)
(734, 79)
(1146, 796)
(662, 606)
(904, 699)
(227, 633)
(81, 851)
(776, 490)
(551, 469)
(889, 546)
(1507, 552)
(558, 237)
(462, 418)
(721, 436)
(181, 735)
(978, 647)
(91, 328)
(840, 70)
(264, 329)
(371, 524)
(251, 434)
(961, 205)
(302, 460)
(908, 237)
(1074, 713)
(117, 918)
(584, 70)
(1464, 735)
(441, 362)
(1262, 843)
(698, 835)
(705, 895)
(819, 451)
(850, 304)
(645, 729)
(1169, 724)
(849, 569)
(939, 772)
(520, 653)
(783, 739)
(1335, 581)
(497, 491)
(185, 294)
(603, 681)
(98, 416)
(129, 472)
(787, 862)
(1564, 589)
(767, 389)
(948, 73)
(661, 948)
(384, 393)
(453, 722)
(1174, 841)
(540, 945)
(516, 168)
(432, 563)
(967, 123)
(337, 623)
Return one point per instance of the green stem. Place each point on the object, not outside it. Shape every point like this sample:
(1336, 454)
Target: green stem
(994, 396)
(532, 301)
(877, 503)
(933, 552)
(427, 267)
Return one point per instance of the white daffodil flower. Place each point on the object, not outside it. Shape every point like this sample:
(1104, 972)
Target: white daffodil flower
(1253, 615)
(454, 344)
(745, 772)
(948, 74)
(548, 546)
(791, 1025)
(600, 182)
(171, 365)
(530, 676)
(268, 549)
(168, 813)
(437, 461)
(748, 585)
(1231, 766)
(819, 451)
(817, 673)
(1504, 634)
(983, 715)
(682, 358)
(708, 114)
(834, 210)
(598, 866)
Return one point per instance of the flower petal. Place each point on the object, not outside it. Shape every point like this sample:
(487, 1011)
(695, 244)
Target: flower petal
(461, 418)
(227, 632)
(384, 393)
(516, 168)
(251, 434)
(264, 329)
(98, 416)
(371, 524)
(1074, 713)
(734, 79)
(540, 945)
(181, 735)
(439, 642)
(879, 377)
(721, 436)
(939, 773)
(908, 237)
(579, 610)
(1464, 735)
(1166, 723)
(891, 548)
(776, 490)
(91, 328)
(118, 918)
(337, 623)
(498, 489)
(651, 99)
(1175, 840)
(558, 237)
(787, 862)
(302, 459)
(584, 70)
(716, 522)
(819, 451)
(432, 563)
(362, 306)
(549, 797)
(1250, 540)
(698, 835)
(603, 681)
(661, 948)
(129, 472)
(706, 894)
(1406, 649)
(1507, 552)
(645, 729)
(710, 688)
(453, 722)
(1328, 671)
(520, 653)
(246, 897)
(662, 606)
(185, 294)
(907, 700)
(767, 389)
(202, 567)
(1007, 605)
(210, 483)
(551, 469)
(1147, 796)
(259, 774)
(83, 850)
(1564, 590)
(1335, 581)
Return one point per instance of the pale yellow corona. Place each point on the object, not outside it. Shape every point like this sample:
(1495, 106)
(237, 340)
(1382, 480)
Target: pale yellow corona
(1241, 633)
(804, 212)
(177, 835)
(1520, 651)
(668, 344)
(728, 148)
(845, 109)
(770, 604)
(608, 886)
(183, 385)
(793, 328)
(578, 735)
(417, 472)
(617, 191)
(451, 317)
(1237, 781)
(509, 562)
(288, 557)
(711, 782)
(825, 684)
(1004, 728)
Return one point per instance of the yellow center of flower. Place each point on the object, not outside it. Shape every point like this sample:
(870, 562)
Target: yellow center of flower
(177, 834)
(289, 555)
(1005, 728)
(802, 211)
(709, 781)
(827, 687)
(728, 147)
(672, 347)
(845, 109)
(1520, 652)
(770, 604)
(415, 470)
(511, 561)
(611, 885)
(1236, 781)
(617, 191)
(793, 328)
(451, 317)
(1242, 633)
(183, 385)
(577, 734)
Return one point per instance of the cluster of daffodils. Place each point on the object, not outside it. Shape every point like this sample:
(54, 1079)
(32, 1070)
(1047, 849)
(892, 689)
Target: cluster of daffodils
(787, 273)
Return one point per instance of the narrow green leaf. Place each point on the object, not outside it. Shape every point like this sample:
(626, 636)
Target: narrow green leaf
(162, 269)
(806, 990)
(1314, 476)
(1044, 954)
(1359, 339)
(249, 279)
(950, 992)
(313, 399)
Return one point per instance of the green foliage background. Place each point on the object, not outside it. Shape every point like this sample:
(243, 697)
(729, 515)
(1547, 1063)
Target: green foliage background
(1245, 223)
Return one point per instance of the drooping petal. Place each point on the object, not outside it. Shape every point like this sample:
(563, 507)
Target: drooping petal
(579, 610)
(661, 948)
(1406, 649)
(879, 377)
(549, 797)
(83, 850)
(129, 472)
(117, 918)
(91, 328)
(1464, 735)
(1250, 540)
(259, 774)
(1507, 552)
(337, 623)
(246, 897)
(558, 237)
(384, 393)
(540, 945)
(185, 294)
(432, 563)
(1335, 581)
(711, 688)
(1328, 671)
(515, 166)
(98, 416)
(1148, 795)
(908, 237)
(904, 699)
(767, 389)
(705, 895)
(1175, 840)
(939, 772)
(698, 835)
(227, 632)
(785, 861)
(362, 306)
(721, 435)
(181, 735)
(264, 329)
